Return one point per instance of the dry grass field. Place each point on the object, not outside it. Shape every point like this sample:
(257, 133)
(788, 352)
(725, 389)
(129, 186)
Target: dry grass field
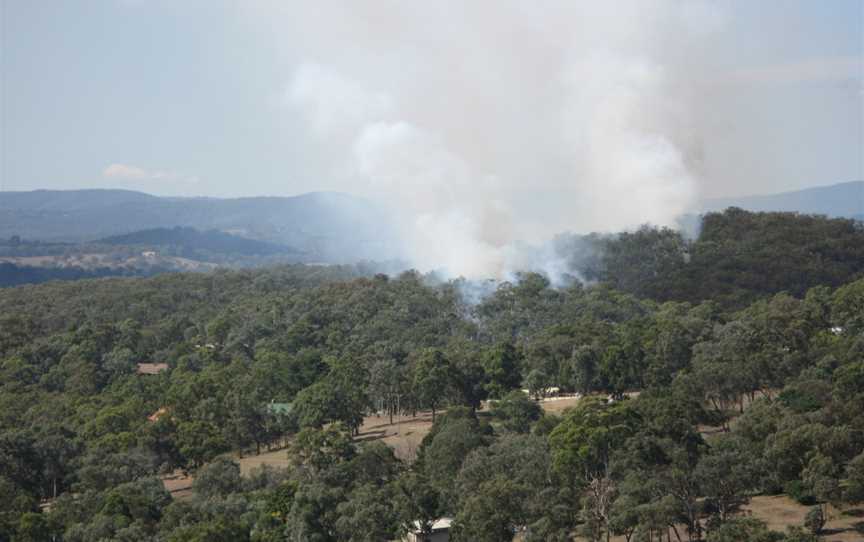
(779, 511)
(406, 433)
(557, 405)
(179, 485)
(272, 458)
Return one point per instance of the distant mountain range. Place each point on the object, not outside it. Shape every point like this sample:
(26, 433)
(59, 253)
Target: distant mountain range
(836, 200)
(324, 225)
(319, 226)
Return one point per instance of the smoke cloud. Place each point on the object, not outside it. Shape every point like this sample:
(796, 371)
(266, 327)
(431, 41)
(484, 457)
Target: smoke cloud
(489, 125)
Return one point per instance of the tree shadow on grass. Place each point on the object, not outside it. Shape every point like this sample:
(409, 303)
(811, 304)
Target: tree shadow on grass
(370, 435)
(385, 423)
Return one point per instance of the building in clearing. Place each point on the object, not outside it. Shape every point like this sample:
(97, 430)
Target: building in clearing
(440, 532)
(551, 391)
(151, 368)
(158, 414)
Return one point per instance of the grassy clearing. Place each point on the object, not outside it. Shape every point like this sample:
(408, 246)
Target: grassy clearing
(178, 484)
(273, 458)
(406, 433)
(779, 512)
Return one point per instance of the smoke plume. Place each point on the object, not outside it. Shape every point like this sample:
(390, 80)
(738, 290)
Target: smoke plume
(489, 125)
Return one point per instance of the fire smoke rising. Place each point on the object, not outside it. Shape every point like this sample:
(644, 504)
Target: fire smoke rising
(486, 125)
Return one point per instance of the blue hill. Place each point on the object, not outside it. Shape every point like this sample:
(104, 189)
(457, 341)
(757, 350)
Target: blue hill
(837, 200)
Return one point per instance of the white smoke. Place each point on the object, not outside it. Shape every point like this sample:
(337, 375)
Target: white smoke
(485, 124)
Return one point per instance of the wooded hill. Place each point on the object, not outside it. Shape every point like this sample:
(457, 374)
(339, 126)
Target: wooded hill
(841, 200)
(738, 257)
(333, 227)
(754, 392)
(143, 253)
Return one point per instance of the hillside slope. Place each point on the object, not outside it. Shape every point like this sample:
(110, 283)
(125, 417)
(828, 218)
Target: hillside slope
(837, 200)
(331, 226)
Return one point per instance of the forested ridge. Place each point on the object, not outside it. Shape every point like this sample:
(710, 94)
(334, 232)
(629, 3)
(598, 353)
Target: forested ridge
(710, 371)
(737, 257)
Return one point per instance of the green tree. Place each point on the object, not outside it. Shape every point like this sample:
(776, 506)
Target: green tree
(320, 449)
(738, 529)
(218, 478)
(815, 519)
(586, 367)
(853, 483)
(433, 376)
(582, 448)
(517, 412)
(200, 441)
(727, 475)
(507, 486)
(418, 502)
(387, 386)
(340, 396)
(503, 369)
(367, 515)
(537, 382)
(491, 512)
(847, 307)
(33, 527)
(451, 439)
(645, 262)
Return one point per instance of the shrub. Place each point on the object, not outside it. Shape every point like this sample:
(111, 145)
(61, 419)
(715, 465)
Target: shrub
(797, 534)
(219, 478)
(799, 401)
(799, 492)
(815, 519)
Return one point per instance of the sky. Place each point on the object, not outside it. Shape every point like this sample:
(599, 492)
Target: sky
(245, 98)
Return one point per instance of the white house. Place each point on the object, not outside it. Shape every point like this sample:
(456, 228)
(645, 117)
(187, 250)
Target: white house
(440, 532)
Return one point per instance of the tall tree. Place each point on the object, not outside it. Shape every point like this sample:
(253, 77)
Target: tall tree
(433, 378)
(582, 448)
(503, 369)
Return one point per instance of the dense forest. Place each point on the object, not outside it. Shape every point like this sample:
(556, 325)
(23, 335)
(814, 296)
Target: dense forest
(737, 257)
(710, 371)
(16, 275)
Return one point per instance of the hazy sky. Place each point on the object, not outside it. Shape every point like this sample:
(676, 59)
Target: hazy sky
(186, 97)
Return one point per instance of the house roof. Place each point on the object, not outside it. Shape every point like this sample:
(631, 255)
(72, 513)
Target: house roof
(439, 524)
(151, 368)
(158, 414)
